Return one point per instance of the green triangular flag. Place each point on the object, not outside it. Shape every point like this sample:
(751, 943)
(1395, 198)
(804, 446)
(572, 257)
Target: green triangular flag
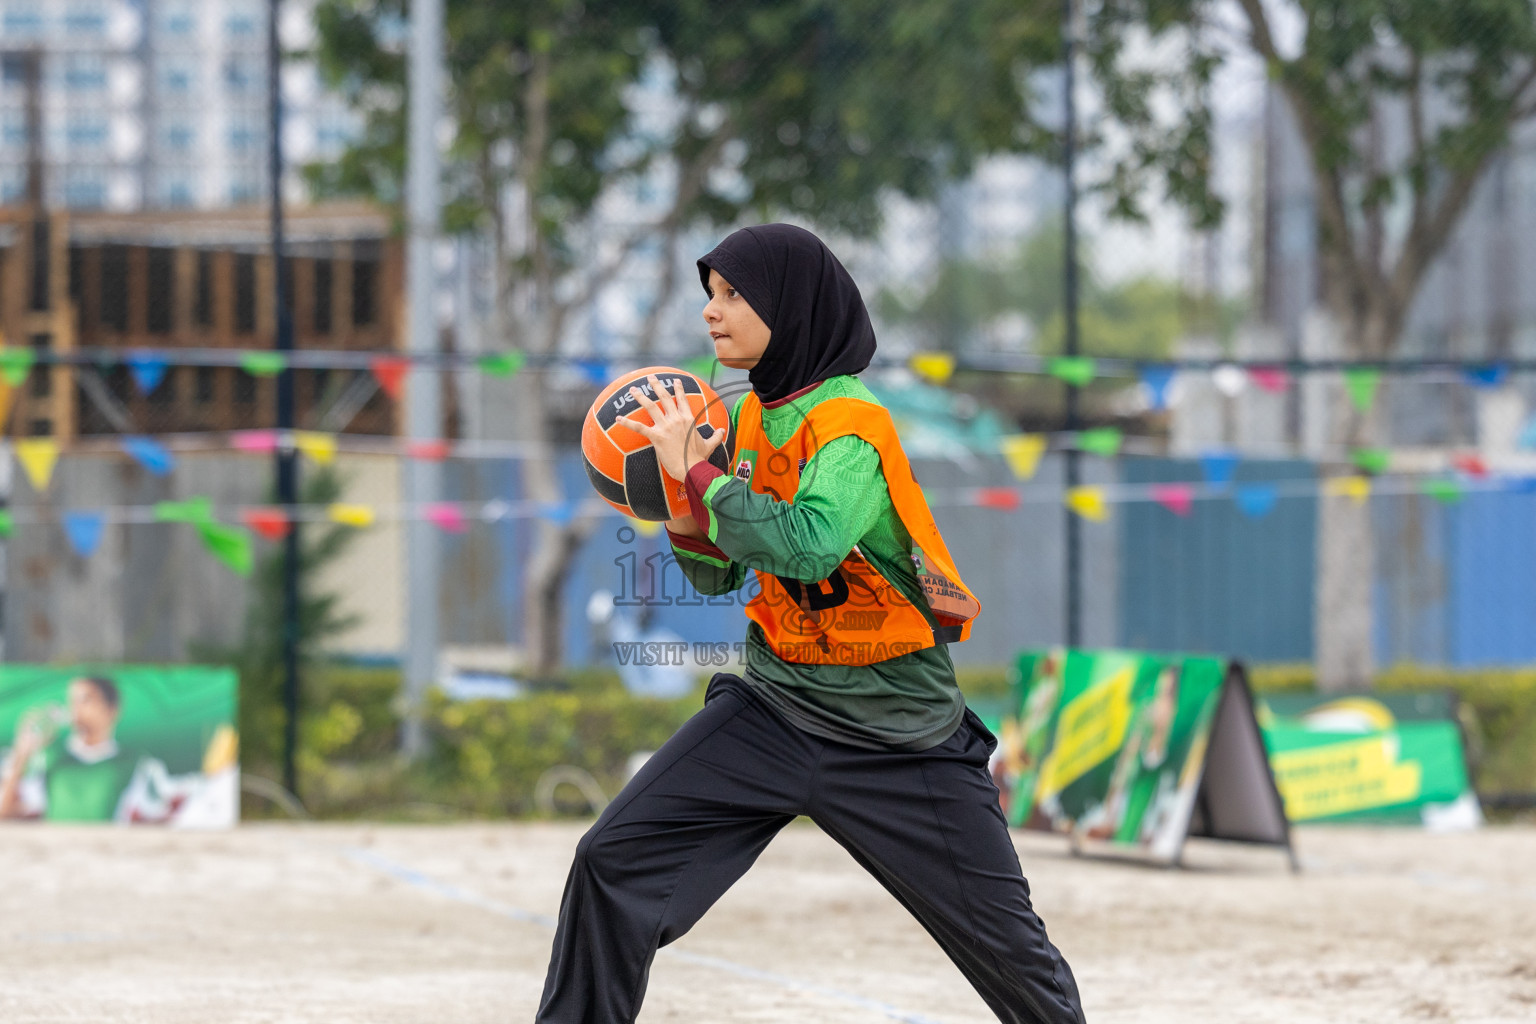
(15, 364)
(193, 510)
(1075, 370)
(263, 364)
(1103, 441)
(1444, 490)
(1361, 384)
(230, 545)
(7, 524)
(502, 364)
(701, 367)
(1372, 460)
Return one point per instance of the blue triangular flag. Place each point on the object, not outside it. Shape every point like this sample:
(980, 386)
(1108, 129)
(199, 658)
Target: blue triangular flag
(1490, 376)
(150, 453)
(84, 531)
(1527, 437)
(559, 512)
(148, 370)
(1257, 499)
(595, 370)
(1156, 380)
(1218, 467)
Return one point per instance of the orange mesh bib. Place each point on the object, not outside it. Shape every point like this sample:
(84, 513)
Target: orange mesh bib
(855, 616)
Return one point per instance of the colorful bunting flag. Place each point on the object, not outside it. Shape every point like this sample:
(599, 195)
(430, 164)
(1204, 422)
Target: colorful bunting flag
(1158, 382)
(15, 364)
(1527, 438)
(390, 372)
(595, 370)
(317, 447)
(1446, 490)
(270, 523)
(558, 512)
(1006, 498)
(38, 455)
(193, 510)
(7, 524)
(1270, 379)
(1471, 464)
(937, 367)
(254, 440)
(1176, 498)
(230, 545)
(1361, 383)
(263, 364)
(1023, 453)
(148, 370)
(646, 527)
(447, 517)
(1356, 488)
(1229, 380)
(501, 364)
(1218, 466)
(428, 450)
(84, 530)
(1088, 502)
(1257, 500)
(1103, 441)
(1078, 371)
(150, 454)
(1490, 376)
(1374, 461)
(351, 515)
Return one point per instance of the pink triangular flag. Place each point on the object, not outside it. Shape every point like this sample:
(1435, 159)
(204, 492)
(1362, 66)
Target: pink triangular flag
(1270, 378)
(447, 518)
(254, 440)
(1176, 498)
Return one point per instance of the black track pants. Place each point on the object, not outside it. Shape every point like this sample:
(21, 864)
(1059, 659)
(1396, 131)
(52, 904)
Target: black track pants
(926, 824)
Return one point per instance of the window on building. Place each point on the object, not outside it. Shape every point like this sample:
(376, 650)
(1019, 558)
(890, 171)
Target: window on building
(42, 374)
(22, 22)
(41, 428)
(365, 273)
(42, 261)
(180, 137)
(320, 382)
(165, 394)
(202, 303)
(324, 285)
(160, 303)
(245, 293)
(203, 384)
(245, 388)
(114, 287)
(120, 384)
(85, 20)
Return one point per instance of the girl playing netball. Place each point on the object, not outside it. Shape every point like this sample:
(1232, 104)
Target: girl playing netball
(847, 710)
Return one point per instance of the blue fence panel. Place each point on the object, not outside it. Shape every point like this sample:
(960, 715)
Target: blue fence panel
(1218, 580)
(1493, 579)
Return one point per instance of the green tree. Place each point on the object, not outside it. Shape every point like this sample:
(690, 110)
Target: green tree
(1402, 106)
(806, 108)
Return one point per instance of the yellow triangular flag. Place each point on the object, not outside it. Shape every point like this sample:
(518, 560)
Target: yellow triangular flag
(1356, 487)
(38, 455)
(321, 448)
(646, 527)
(351, 515)
(1088, 502)
(936, 366)
(1023, 453)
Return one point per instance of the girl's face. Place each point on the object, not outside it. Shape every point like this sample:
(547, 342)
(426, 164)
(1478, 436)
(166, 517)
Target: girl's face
(740, 335)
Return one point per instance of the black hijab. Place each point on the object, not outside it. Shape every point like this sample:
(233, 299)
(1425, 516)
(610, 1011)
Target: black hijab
(791, 279)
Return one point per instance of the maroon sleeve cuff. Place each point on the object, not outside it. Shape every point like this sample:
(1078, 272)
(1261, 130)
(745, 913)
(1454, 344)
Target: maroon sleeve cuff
(696, 483)
(698, 547)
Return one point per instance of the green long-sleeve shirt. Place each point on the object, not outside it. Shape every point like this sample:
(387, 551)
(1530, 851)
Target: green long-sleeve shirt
(909, 702)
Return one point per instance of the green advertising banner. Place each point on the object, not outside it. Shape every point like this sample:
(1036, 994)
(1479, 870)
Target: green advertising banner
(1396, 758)
(1112, 747)
(126, 744)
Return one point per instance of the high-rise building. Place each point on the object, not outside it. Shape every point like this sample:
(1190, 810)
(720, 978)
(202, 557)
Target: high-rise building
(155, 104)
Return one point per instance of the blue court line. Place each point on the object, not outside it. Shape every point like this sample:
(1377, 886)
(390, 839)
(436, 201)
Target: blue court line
(417, 879)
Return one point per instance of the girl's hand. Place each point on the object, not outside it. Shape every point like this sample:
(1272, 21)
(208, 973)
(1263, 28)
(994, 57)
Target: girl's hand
(673, 430)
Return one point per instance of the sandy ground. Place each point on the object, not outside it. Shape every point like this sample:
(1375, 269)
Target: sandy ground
(387, 925)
